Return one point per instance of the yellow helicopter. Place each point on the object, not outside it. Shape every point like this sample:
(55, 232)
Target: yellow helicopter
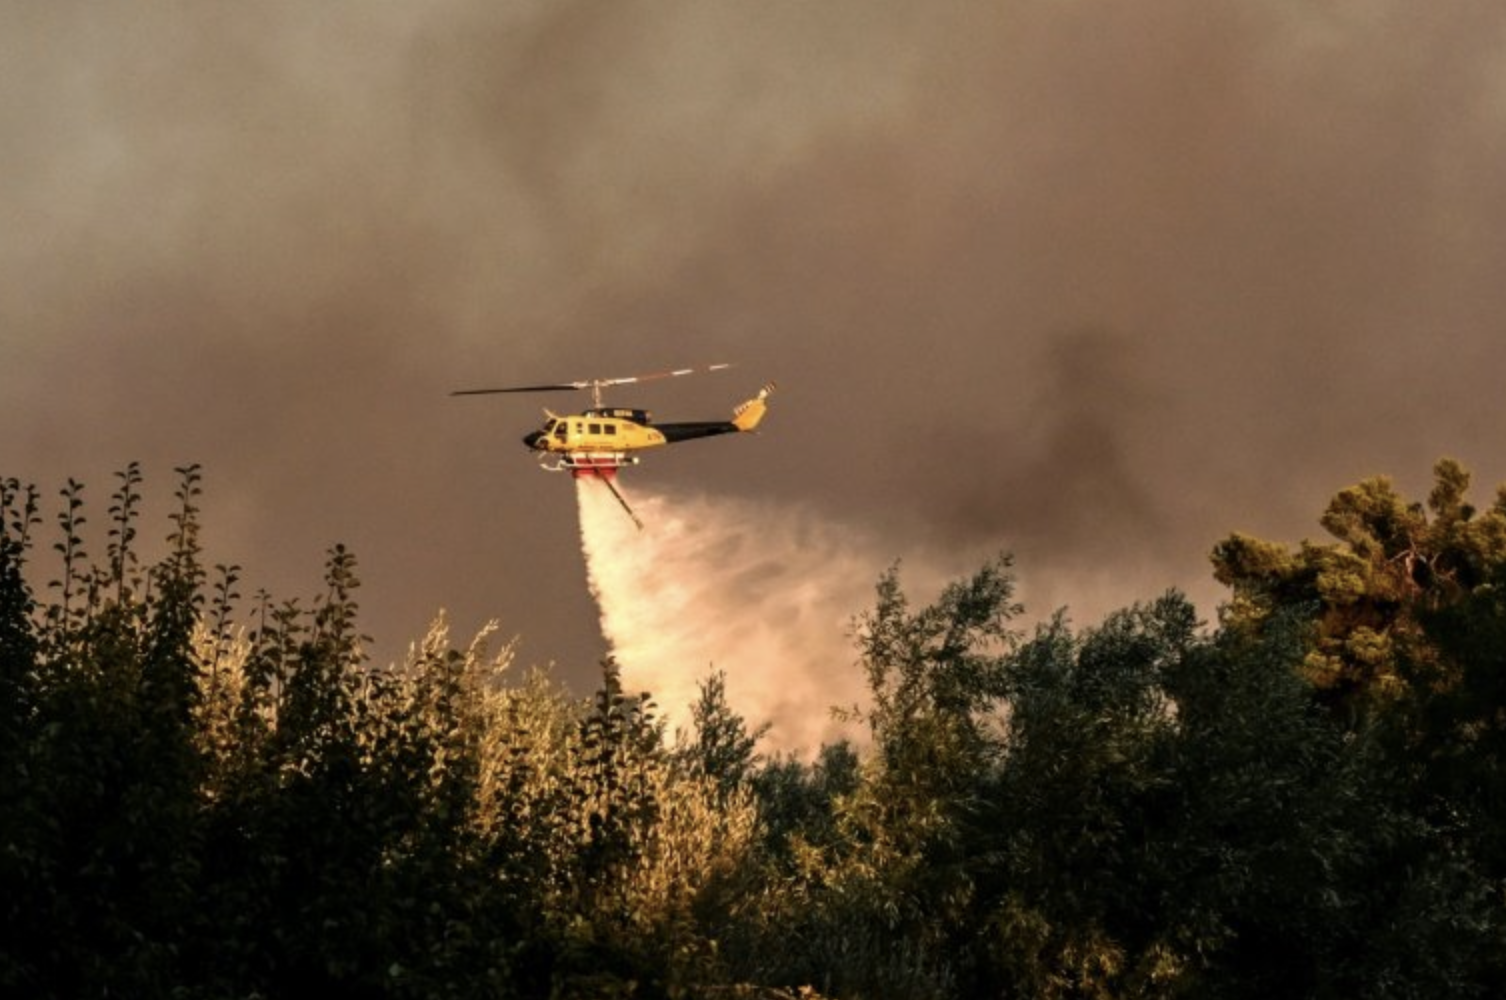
(603, 439)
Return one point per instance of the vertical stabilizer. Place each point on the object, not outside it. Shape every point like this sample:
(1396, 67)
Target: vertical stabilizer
(747, 416)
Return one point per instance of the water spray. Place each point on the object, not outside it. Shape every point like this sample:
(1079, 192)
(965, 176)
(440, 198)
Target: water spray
(763, 592)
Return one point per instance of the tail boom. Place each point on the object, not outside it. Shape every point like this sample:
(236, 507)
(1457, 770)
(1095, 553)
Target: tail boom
(745, 417)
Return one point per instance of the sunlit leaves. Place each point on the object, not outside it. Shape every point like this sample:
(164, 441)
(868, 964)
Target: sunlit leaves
(1363, 592)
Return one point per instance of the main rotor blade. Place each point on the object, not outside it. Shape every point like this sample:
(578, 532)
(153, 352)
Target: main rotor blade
(630, 379)
(561, 387)
(593, 383)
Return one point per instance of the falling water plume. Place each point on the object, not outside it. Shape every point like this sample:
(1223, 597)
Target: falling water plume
(762, 592)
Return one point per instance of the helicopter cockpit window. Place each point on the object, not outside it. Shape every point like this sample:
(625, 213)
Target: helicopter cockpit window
(559, 430)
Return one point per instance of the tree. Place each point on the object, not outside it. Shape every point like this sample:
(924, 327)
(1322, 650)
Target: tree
(798, 801)
(1062, 846)
(935, 677)
(109, 818)
(720, 746)
(1288, 858)
(24, 883)
(1363, 593)
(870, 856)
(1136, 808)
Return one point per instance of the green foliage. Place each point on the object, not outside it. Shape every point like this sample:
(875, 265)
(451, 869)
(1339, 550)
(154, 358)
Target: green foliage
(1062, 844)
(720, 746)
(18, 643)
(935, 677)
(798, 800)
(24, 828)
(1297, 843)
(1363, 593)
(871, 874)
(1306, 801)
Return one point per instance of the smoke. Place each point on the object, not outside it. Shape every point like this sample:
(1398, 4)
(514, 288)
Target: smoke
(1091, 282)
(765, 593)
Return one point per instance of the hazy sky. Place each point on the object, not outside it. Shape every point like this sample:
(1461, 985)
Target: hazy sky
(1092, 282)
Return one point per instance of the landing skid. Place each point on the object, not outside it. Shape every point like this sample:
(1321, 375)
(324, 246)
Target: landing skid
(588, 462)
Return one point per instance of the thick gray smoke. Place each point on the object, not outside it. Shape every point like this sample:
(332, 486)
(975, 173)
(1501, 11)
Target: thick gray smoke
(1092, 282)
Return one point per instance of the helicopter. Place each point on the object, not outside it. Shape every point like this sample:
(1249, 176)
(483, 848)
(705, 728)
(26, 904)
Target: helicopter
(597, 442)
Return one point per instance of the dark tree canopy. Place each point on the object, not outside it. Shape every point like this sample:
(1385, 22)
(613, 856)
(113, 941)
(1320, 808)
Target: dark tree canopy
(205, 799)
